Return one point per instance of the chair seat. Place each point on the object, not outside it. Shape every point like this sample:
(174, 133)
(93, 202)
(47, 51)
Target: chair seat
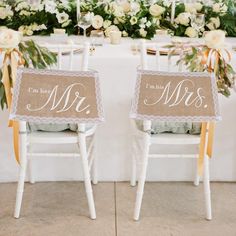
(172, 127)
(170, 138)
(62, 137)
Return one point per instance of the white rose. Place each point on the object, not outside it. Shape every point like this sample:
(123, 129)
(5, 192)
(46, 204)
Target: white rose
(9, 38)
(198, 6)
(97, 22)
(143, 33)
(111, 28)
(190, 7)
(62, 17)
(126, 7)
(5, 12)
(118, 11)
(133, 20)
(215, 39)
(135, 8)
(183, 18)
(115, 21)
(216, 7)
(191, 32)
(156, 10)
(219, 7)
(214, 23)
(106, 24)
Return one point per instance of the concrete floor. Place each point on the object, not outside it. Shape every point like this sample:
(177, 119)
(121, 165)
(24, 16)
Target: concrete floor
(169, 209)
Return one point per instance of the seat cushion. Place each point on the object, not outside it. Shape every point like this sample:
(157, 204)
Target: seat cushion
(33, 127)
(172, 127)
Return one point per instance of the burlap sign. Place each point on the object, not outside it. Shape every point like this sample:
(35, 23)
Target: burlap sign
(57, 96)
(168, 96)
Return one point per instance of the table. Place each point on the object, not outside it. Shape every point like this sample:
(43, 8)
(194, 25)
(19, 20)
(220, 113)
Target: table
(117, 66)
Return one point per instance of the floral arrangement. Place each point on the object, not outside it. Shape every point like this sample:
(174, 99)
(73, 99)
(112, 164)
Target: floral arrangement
(16, 53)
(212, 57)
(136, 18)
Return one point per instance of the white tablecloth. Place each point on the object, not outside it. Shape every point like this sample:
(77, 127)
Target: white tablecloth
(117, 65)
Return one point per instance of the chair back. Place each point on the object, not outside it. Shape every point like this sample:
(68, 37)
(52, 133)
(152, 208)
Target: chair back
(58, 96)
(173, 96)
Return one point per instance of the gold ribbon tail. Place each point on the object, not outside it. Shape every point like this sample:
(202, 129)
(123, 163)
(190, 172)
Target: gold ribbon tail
(204, 142)
(210, 139)
(16, 140)
(11, 59)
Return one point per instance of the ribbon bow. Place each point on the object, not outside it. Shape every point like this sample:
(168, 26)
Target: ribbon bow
(12, 59)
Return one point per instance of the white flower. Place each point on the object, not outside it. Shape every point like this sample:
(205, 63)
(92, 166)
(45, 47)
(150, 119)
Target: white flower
(135, 8)
(50, 6)
(215, 39)
(62, 17)
(25, 13)
(198, 6)
(148, 24)
(124, 34)
(5, 12)
(65, 24)
(156, 10)
(142, 23)
(116, 10)
(191, 32)
(133, 20)
(126, 7)
(214, 23)
(190, 7)
(97, 22)
(9, 38)
(183, 18)
(106, 24)
(29, 32)
(115, 21)
(143, 33)
(167, 3)
(36, 7)
(22, 5)
(219, 7)
(111, 28)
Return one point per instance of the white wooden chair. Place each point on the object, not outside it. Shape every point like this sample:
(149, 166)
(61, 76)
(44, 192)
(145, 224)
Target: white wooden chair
(86, 149)
(143, 140)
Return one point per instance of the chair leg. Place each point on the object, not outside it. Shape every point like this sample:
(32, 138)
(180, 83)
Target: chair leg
(133, 173)
(22, 174)
(142, 177)
(87, 180)
(30, 169)
(134, 163)
(197, 177)
(207, 191)
(94, 166)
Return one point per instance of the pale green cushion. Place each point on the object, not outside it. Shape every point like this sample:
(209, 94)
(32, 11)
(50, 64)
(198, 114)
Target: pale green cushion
(32, 127)
(172, 127)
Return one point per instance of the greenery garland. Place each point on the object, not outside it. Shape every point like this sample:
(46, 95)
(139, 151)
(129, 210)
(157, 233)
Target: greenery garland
(136, 19)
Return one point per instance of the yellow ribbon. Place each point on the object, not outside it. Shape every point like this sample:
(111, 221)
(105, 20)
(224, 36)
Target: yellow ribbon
(13, 59)
(204, 142)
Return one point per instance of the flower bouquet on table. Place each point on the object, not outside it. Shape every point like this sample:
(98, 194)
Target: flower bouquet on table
(213, 57)
(16, 52)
